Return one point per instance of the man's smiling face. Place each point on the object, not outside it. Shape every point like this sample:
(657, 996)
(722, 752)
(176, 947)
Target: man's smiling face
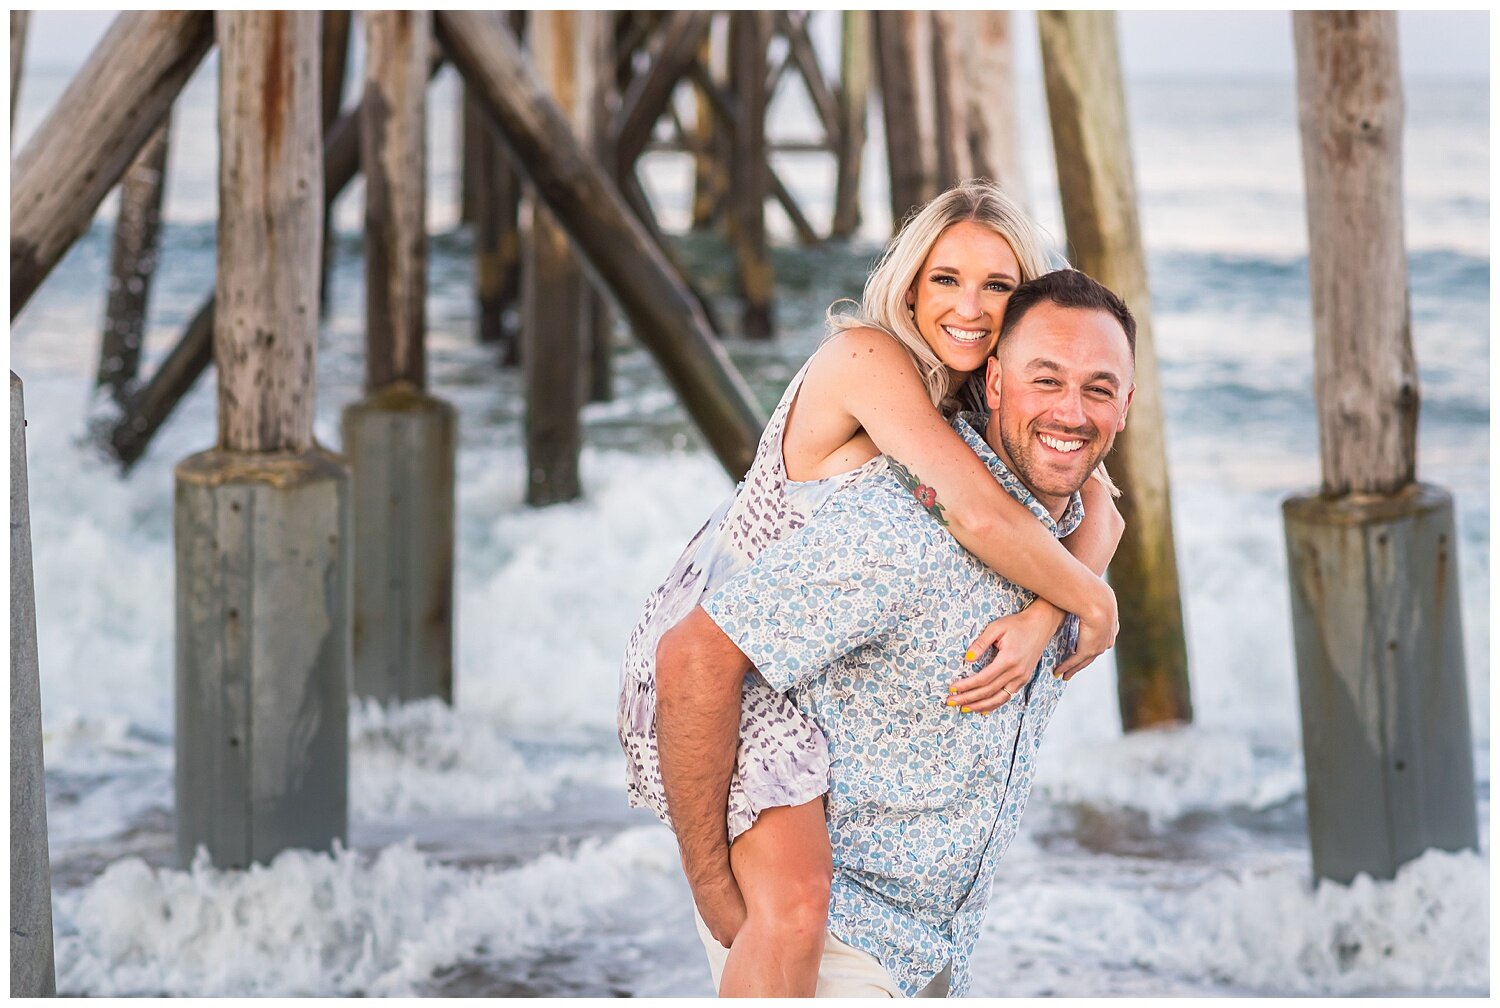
(1058, 391)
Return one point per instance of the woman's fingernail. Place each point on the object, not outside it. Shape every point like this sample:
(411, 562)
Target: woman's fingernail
(968, 656)
(965, 710)
(985, 713)
(952, 703)
(952, 689)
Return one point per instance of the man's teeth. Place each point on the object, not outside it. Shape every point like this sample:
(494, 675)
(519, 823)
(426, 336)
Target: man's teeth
(1060, 445)
(966, 335)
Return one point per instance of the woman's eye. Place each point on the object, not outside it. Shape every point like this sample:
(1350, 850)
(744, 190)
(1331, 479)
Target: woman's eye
(1000, 287)
(943, 278)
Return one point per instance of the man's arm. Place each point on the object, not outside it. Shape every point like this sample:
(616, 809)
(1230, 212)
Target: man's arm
(699, 679)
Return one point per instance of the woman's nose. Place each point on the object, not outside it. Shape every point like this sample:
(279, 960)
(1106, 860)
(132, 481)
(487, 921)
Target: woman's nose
(968, 304)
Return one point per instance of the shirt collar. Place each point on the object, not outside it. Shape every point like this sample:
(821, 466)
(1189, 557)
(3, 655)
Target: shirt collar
(967, 426)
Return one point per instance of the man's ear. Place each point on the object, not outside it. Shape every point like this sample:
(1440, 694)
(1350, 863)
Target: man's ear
(1128, 397)
(993, 375)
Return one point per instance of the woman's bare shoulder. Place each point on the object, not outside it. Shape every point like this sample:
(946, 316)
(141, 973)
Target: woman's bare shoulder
(862, 352)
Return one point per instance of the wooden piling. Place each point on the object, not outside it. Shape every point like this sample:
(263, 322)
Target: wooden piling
(654, 298)
(553, 325)
(335, 64)
(32, 969)
(150, 404)
(711, 142)
(750, 183)
(604, 99)
(979, 87)
(1373, 557)
(137, 241)
(17, 56)
(393, 152)
(110, 109)
(853, 107)
(1086, 105)
(497, 236)
(262, 519)
(400, 441)
(902, 44)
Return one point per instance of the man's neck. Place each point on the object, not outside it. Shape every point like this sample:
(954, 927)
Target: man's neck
(1055, 505)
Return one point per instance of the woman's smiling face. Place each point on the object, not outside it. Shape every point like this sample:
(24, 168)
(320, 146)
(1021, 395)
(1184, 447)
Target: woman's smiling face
(959, 295)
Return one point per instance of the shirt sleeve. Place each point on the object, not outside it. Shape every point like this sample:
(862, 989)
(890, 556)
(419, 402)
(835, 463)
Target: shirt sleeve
(832, 586)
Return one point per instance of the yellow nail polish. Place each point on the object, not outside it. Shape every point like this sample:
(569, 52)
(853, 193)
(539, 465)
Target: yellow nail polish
(968, 656)
(985, 713)
(952, 703)
(965, 710)
(952, 689)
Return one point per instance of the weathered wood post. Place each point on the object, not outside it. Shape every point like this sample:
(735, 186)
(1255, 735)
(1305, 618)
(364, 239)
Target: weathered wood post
(87, 141)
(335, 66)
(555, 354)
(400, 441)
(1096, 177)
(853, 106)
(603, 99)
(262, 519)
(1373, 556)
(496, 195)
(17, 55)
(132, 264)
(712, 158)
(903, 48)
(149, 405)
(749, 170)
(977, 113)
(662, 312)
(32, 970)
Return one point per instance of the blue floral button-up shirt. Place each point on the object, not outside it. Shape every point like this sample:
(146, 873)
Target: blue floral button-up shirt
(864, 615)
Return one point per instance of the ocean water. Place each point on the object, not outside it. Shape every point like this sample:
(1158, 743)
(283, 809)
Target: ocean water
(490, 850)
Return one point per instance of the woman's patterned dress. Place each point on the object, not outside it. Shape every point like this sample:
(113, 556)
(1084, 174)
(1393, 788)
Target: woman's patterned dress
(782, 757)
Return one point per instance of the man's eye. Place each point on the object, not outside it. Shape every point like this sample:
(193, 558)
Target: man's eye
(1046, 381)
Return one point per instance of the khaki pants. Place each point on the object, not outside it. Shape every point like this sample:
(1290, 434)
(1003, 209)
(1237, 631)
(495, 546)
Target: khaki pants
(845, 971)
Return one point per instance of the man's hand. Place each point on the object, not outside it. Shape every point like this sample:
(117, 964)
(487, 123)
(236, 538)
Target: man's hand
(722, 908)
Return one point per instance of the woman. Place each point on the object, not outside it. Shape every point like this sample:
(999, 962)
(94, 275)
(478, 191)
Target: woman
(876, 390)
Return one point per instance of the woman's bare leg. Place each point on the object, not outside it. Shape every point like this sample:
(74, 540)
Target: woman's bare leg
(783, 865)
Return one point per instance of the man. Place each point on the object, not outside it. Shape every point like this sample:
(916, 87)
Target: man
(862, 617)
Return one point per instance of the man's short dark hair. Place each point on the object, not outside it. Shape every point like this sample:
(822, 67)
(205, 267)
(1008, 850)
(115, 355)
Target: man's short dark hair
(1066, 288)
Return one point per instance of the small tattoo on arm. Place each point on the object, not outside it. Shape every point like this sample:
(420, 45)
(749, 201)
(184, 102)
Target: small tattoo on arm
(925, 495)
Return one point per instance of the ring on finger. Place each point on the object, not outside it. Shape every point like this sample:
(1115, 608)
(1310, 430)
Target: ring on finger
(1008, 693)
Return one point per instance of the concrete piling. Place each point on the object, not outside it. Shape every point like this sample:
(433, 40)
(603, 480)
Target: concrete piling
(1380, 663)
(401, 445)
(32, 972)
(262, 654)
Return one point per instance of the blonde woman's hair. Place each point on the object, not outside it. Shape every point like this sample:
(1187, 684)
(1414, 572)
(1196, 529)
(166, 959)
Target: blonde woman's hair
(884, 305)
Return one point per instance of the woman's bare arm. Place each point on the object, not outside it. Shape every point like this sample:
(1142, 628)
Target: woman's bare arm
(873, 379)
(1020, 640)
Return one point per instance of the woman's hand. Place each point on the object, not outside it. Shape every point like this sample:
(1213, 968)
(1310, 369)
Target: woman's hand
(1096, 634)
(1019, 641)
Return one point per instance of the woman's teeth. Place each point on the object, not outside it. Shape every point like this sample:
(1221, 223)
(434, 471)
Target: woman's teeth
(966, 335)
(1060, 445)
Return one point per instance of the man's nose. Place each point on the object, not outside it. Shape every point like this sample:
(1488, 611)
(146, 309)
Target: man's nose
(1067, 409)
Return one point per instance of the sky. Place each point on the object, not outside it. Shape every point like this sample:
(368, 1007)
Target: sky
(1152, 43)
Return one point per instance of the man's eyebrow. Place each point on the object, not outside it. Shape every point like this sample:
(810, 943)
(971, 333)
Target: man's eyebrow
(1043, 364)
